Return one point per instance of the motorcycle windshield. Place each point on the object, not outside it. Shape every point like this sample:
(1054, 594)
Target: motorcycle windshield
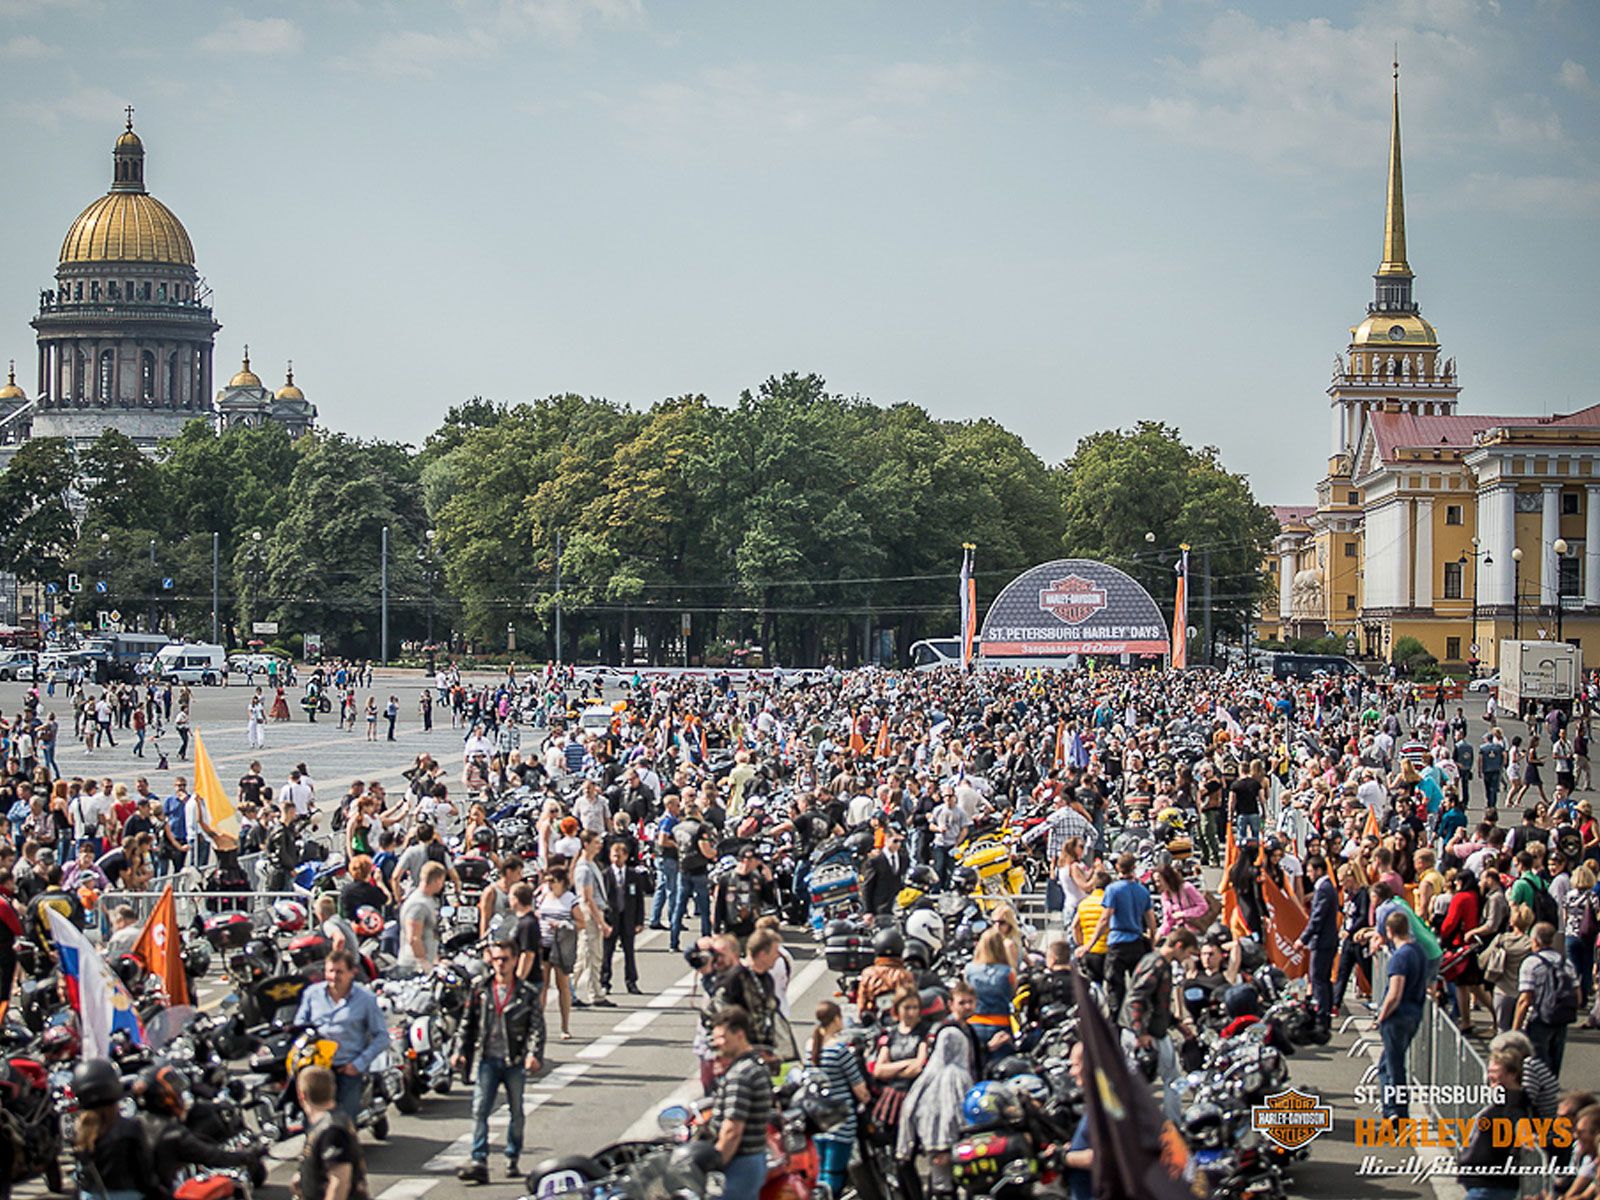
(166, 1025)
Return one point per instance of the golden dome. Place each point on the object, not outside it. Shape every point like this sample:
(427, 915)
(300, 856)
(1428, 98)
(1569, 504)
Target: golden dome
(1405, 330)
(11, 391)
(245, 377)
(289, 391)
(127, 227)
(127, 224)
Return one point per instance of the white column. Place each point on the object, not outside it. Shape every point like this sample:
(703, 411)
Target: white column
(1591, 545)
(1497, 516)
(1402, 554)
(1549, 531)
(1424, 555)
(1285, 584)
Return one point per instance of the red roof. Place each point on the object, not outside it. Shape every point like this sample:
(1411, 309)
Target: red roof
(1395, 431)
(1292, 514)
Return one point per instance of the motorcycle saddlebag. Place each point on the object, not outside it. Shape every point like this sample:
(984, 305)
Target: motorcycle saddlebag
(227, 931)
(992, 859)
(847, 954)
(833, 884)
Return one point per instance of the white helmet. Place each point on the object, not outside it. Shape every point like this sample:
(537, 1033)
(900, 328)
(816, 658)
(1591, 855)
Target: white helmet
(926, 927)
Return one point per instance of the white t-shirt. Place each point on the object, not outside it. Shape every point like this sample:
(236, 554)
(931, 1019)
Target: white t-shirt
(556, 910)
(299, 795)
(191, 818)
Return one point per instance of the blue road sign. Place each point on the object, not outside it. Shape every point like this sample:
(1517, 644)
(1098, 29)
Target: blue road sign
(166, 583)
(100, 586)
(52, 588)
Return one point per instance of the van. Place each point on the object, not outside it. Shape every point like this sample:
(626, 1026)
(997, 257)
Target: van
(595, 719)
(199, 662)
(17, 664)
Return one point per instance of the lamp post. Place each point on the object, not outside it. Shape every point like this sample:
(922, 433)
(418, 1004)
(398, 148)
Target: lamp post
(253, 559)
(425, 560)
(1516, 592)
(1560, 547)
(105, 564)
(1472, 642)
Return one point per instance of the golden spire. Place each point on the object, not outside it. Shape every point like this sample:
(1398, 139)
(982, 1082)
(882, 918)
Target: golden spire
(1394, 211)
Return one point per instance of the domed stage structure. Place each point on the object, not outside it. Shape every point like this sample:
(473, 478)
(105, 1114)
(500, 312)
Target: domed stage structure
(1059, 610)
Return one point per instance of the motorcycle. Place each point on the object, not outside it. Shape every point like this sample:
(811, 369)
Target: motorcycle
(28, 1115)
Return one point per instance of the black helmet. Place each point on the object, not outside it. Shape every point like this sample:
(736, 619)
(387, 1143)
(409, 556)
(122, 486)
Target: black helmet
(96, 1083)
(197, 958)
(1010, 1067)
(130, 970)
(924, 877)
(483, 837)
(887, 943)
(859, 844)
(162, 1089)
(1242, 1000)
(917, 951)
(964, 879)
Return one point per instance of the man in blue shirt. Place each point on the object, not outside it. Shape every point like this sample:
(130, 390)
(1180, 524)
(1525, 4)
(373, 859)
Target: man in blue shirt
(344, 1012)
(1079, 1159)
(1401, 1012)
(1131, 918)
(1491, 764)
(174, 809)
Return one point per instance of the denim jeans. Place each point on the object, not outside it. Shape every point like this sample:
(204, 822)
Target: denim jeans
(697, 885)
(743, 1177)
(666, 888)
(1549, 1043)
(492, 1074)
(1397, 1033)
(1492, 1193)
(1247, 827)
(347, 1093)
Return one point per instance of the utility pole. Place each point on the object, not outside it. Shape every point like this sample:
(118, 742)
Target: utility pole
(216, 558)
(155, 584)
(1205, 613)
(384, 647)
(558, 598)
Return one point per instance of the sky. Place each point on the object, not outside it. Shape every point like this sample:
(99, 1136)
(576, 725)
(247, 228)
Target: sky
(1068, 215)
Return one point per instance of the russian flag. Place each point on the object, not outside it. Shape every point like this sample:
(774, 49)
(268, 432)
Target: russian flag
(101, 1002)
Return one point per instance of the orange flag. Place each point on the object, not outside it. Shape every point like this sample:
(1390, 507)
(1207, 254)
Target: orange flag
(858, 744)
(1231, 917)
(1284, 922)
(1061, 745)
(882, 750)
(160, 948)
(1373, 829)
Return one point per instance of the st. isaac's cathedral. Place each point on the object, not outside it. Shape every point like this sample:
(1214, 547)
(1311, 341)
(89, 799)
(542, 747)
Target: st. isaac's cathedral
(126, 334)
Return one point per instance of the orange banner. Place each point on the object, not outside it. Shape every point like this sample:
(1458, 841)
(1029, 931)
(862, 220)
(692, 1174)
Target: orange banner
(1231, 916)
(160, 948)
(1285, 922)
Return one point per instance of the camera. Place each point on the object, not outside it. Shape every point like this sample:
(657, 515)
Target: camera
(698, 958)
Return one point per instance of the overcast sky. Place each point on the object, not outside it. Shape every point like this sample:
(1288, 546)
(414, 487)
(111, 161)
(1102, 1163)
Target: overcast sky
(1065, 214)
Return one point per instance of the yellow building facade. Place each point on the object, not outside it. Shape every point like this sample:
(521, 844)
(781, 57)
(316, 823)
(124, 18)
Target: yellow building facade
(1459, 530)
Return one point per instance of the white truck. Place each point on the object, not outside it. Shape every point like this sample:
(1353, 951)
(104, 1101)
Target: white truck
(1544, 672)
(190, 662)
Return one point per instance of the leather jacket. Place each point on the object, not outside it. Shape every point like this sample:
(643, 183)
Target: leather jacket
(524, 1020)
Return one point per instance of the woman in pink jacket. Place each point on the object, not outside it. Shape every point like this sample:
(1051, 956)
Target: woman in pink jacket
(1183, 906)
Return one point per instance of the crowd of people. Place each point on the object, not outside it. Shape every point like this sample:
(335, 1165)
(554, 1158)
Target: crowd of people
(1363, 803)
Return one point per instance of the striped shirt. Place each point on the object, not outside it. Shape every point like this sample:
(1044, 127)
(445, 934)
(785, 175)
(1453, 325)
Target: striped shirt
(745, 1094)
(842, 1070)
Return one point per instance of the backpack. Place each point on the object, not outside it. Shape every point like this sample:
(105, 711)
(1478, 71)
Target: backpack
(1557, 1005)
(1544, 904)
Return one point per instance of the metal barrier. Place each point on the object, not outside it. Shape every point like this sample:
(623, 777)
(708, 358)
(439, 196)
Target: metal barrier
(192, 902)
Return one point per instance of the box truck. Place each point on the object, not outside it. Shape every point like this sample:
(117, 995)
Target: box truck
(1540, 672)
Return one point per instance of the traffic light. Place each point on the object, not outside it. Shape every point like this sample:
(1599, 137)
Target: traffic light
(74, 584)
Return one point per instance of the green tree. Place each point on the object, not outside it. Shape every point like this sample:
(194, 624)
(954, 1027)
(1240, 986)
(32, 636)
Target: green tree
(121, 484)
(39, 530)
(1121, 485)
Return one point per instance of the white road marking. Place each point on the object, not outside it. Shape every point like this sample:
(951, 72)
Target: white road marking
(539, 1093)
(645, 1126)
(636, 1022)
(408, 1189)
(603, 1047)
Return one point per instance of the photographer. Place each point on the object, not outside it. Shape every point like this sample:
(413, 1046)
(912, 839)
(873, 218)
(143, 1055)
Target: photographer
(725, 982)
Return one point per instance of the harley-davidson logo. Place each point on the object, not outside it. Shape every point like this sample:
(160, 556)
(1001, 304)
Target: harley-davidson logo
(1292, 1118)
(1072, 600)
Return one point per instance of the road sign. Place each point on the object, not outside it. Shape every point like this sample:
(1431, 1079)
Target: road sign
(101, 586)
(116, 616)
(166, 583)
(313, 645)
(688, 624)
(1473, 647)
(74, 584)
(52, 588)
(263, 627)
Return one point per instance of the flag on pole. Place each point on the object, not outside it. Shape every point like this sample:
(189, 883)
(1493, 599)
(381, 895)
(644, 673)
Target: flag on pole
(969, 605)
(1061, 745)
(96, 995)
(1285, 920)
(883, 747)
(1180, 612)
(221, 814)
(1231, 916)
(858, 743)
(160, 948)
(1077, 752)
(1138, 1155)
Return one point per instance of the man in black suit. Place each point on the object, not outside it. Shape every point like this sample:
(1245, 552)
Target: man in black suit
(1321, 936)
(624, 907)
(881, 878)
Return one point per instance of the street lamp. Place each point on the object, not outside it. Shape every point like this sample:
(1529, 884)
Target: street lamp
(1560, 547)
(425, 560)
(1516, 592)
(1472, 643)
(253, 559)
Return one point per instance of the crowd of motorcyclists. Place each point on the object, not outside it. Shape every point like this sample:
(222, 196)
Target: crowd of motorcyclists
(905, 822)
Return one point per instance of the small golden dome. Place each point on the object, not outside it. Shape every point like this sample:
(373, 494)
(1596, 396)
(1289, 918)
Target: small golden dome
(127, 227)
(129, 140)
(1404, 330)
(289, 391)
(245, 377)
(11, 391)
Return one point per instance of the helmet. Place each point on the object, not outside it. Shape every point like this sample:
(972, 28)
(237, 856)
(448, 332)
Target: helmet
(887, 943)
(839, 929)
(162, 1089)
(859, 844)
(1242, 1000)
(964, 879)
(1010, 1067)
(917, 952)
(1031, 1086)
(197, 958)
(925, 927)
(129, 969)
(483, 837)
(289, 915)
(990, 1103)
(923, 876)
(96, 1083)
(369, 921)
(1147, 1060)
